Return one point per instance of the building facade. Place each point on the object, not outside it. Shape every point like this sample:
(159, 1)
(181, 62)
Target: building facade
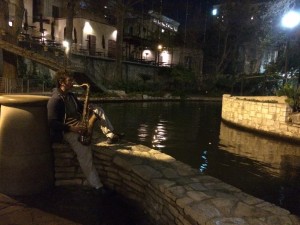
(147, 40)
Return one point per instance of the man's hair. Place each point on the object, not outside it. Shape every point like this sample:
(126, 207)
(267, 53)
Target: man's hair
(61, 75)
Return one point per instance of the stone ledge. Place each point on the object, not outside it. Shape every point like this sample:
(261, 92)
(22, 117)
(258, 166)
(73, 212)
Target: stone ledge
(275, 119)
(173, 193)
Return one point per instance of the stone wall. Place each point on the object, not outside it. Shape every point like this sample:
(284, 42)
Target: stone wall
(169, 191)
(268, 114)
(102, 70)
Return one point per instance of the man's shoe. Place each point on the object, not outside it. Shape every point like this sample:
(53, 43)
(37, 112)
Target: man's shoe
(101, 191)
(115, 138)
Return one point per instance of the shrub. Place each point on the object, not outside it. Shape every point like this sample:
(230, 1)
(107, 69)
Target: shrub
(293, 96)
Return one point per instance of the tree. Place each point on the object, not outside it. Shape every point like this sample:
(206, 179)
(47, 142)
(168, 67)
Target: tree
(285, 40)
(237, 26)
(119, 8)
(69, 20)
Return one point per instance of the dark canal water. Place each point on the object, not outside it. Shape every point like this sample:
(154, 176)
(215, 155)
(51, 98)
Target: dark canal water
(193, 133)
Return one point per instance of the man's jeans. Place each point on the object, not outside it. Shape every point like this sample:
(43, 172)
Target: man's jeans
(104, 123)
(85, 158)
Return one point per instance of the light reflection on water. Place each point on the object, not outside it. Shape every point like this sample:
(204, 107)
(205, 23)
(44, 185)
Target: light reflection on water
(194, 134)
(159, 136)
(143, 132)
(204, 163)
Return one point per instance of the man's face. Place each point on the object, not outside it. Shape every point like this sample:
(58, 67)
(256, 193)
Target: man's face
(67, 84)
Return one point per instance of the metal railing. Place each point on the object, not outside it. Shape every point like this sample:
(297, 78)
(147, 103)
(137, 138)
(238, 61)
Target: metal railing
(21, 85)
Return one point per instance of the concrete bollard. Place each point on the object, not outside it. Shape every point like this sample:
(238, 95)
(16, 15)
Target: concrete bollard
(26, 158)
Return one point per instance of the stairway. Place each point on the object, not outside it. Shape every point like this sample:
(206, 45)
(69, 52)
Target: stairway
(50, 60)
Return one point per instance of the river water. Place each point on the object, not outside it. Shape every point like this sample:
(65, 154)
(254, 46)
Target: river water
(193, 133)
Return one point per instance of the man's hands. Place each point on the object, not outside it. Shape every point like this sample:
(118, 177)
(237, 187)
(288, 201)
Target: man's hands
(91, 107)
(80, 129)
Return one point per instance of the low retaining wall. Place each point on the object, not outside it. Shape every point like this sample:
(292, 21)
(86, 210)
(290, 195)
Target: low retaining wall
(268, 114)
(170, 191)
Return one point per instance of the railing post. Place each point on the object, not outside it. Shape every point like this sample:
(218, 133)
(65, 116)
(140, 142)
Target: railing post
(27, 85)
(10, 85)
(22, 88)
(6, 84)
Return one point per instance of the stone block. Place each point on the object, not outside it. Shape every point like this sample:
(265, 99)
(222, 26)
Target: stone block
(202, 212)
(197, 195)
(175, 193)
(124, 175)
(295, 118)
(180, 220)
(146, 172)
(134, 186)
(169, 213)
(122, 163)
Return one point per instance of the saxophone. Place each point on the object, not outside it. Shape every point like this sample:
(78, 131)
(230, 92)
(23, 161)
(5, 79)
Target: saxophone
(86, 137)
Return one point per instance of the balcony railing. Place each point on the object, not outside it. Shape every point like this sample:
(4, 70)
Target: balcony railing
(54, 49)
(25, 86)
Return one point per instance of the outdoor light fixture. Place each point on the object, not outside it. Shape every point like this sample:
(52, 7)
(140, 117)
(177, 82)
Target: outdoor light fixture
(165, 56)
(214, 12)
(147, 54)
(66, 44)
(87, 28)
(290, 20)
(114, 35)
(159, 47)
(10, 23)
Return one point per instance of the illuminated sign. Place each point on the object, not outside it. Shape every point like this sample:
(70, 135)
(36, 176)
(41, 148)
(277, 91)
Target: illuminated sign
(164, 21)
(165, 25)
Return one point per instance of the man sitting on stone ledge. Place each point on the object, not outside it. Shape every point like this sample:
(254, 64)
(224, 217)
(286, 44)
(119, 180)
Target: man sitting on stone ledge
(65, 122)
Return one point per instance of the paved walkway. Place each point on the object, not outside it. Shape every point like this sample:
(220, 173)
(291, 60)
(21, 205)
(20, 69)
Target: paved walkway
(69, 206)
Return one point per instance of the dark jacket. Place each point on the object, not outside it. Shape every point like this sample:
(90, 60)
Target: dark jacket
(57, 115)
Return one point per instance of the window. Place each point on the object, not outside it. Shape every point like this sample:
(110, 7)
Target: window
(36, 8)
(55, 11)
(83, 4)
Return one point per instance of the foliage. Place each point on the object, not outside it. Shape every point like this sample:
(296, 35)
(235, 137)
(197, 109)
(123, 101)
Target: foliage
(255, 84)
(234, 32)
(218, 84)
(165, 72)
(257, 100)
(272, 14)
(137, 86)
(22, 67)
(178, 80)
(183, 79)
(285, 40)
(103, 94)
(293, 94)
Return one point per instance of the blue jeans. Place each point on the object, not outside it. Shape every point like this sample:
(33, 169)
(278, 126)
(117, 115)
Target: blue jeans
(85, 158)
